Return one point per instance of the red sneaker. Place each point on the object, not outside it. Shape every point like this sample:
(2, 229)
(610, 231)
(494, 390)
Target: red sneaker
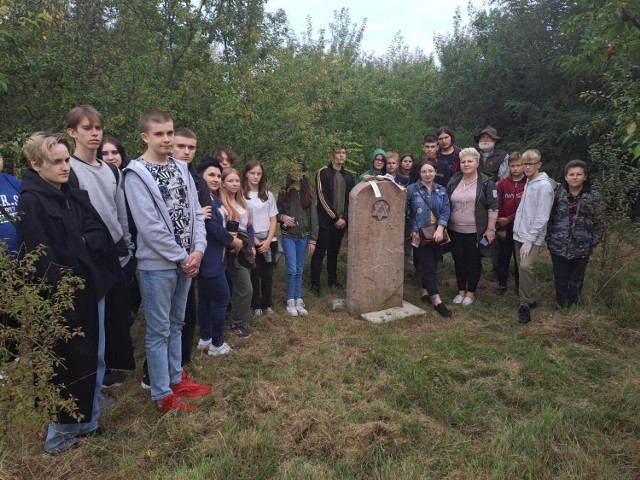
(171, 402)
(189, 388)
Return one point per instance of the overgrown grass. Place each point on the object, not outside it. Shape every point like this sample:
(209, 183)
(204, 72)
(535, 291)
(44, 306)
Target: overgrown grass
(334, 397)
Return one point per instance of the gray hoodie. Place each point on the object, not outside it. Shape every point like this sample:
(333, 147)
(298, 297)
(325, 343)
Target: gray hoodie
(530, 224)
(157, 247)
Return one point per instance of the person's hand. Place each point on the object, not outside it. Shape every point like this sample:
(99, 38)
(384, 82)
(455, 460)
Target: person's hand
(502, 221)
(288, 221)
(491, 235)
(191, 267)
(207, 212)
(438, 235)
(263, 247)
(525, 250)
(236, 245)
(502, 235)
(311, 247)
(341, 223)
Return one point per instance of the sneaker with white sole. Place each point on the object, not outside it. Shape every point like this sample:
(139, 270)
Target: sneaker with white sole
(291, 307)
(257, 312)
(458, 299)
(203, 344)
(223, 349)
(300, 307)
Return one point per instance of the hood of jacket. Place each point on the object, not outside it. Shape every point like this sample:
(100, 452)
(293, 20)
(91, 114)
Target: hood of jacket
(376, 152)
(543, 177)
(32, 182)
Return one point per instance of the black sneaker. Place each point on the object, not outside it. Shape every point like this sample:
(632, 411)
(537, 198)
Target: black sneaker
(442, 310)
(501, 290)
(315, 289)
(524, 314)
(336, 286)
(533, 305)
(114, 378)
(426, 299)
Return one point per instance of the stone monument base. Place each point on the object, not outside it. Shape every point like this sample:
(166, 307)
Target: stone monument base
(395, 313)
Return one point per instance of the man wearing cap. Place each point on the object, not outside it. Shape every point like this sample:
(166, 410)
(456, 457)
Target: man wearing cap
(493, 161)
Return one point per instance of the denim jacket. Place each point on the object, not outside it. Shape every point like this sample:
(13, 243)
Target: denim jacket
(419, 211)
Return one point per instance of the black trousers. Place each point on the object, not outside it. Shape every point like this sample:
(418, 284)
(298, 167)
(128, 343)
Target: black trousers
(506, 250)
(429, 258)
(467, 260)
(568, 276)
(329, 242)
(118, 354)
(262, 283)
(190, 320)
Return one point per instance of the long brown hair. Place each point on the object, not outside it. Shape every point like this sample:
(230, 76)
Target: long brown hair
(226, 198)
(306, 193)
(262, 186)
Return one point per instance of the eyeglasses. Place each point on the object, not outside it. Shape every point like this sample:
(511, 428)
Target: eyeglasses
(529, 165)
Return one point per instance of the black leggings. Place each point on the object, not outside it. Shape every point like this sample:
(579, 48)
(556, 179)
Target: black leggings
(467, 259)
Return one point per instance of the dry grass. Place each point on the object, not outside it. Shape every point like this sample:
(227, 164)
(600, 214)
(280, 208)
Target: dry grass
(331, 396)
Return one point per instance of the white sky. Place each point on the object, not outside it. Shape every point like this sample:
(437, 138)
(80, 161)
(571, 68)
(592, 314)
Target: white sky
(417, 20)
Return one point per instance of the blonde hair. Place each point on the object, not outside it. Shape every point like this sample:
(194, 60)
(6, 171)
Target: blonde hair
(469, 152)
(227, 199)
(37, 149)
(532, 154)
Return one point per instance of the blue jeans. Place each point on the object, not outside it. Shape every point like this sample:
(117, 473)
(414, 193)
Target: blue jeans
(213, 299)
(295, 254)
(61, 436)
(164, 296)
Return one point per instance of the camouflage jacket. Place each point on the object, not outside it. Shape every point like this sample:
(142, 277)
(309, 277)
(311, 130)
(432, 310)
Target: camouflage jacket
(574, 224)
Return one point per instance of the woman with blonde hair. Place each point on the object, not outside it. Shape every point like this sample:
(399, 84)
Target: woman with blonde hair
(238, 214)
(76, 242)
(472, 223)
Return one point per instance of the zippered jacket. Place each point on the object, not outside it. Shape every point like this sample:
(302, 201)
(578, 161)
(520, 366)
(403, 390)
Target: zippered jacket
(157, 248)
(575, 223)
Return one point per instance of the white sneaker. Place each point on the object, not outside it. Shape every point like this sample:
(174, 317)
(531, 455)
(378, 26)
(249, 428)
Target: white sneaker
(257, 312)
(203, 344)
(269, 311)
(467, 301)
(300, 307)
(291, 307)
(458, 299)
(221, 350)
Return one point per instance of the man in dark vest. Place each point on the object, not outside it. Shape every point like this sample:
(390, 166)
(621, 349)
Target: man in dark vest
(493, 161)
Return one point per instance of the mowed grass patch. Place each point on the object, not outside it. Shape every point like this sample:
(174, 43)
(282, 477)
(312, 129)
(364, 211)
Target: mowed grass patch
(330, 396)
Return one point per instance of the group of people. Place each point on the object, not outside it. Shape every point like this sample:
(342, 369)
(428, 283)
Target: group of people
(152, 226)
(486, 202)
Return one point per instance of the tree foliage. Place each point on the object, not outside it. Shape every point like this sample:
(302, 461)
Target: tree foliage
(543, 73)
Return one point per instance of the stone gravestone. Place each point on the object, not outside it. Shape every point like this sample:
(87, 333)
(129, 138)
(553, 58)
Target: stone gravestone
(375, 262)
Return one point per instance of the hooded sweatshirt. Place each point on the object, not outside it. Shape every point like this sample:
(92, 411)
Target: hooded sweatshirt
(157, 246)
(372, 171)
(530, 224)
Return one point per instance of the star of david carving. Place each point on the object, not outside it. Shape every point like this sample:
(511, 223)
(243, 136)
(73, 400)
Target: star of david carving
(380, 210)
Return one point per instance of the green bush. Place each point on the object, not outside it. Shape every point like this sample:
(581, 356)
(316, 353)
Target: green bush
(28, 400)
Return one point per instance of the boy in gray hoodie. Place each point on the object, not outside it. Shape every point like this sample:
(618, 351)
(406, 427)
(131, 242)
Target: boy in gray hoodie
(171, 238)
(530, 228)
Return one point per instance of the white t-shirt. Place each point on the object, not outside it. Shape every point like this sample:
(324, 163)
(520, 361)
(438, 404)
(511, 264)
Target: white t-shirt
(244, 218)
(261, 212)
